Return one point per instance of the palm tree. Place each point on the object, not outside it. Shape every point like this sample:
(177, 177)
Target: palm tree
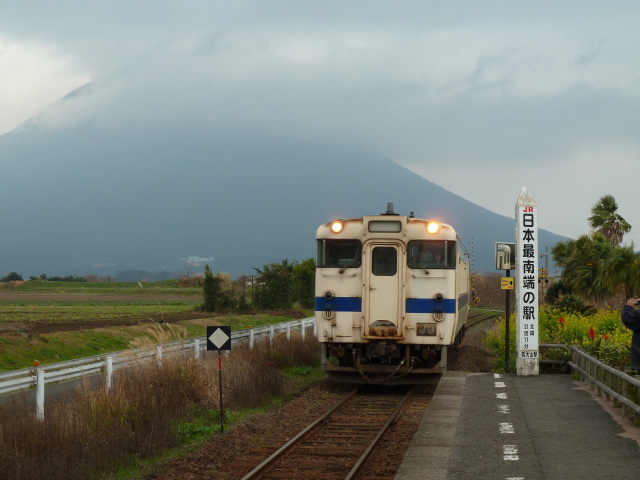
(604, 219)
(585, 272)
(623, 271)
(561, 252)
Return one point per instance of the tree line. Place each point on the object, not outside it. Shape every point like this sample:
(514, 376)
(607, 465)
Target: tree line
(16, 277)
(276, 286)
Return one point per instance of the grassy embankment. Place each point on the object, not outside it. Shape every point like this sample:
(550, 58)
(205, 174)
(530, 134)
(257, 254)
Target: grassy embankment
(119, 315)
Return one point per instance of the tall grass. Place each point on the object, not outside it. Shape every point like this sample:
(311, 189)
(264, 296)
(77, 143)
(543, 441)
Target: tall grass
(93, 433)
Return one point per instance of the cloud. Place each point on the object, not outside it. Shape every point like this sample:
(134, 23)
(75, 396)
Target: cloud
(195, 261)
(460, 92)
(32, 75)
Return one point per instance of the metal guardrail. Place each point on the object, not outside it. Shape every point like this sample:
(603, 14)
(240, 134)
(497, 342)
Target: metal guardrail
(17, 380)
(618, 387)
(622, 389)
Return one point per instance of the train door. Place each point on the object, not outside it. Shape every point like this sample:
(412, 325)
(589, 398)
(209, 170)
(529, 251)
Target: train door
(383, 290)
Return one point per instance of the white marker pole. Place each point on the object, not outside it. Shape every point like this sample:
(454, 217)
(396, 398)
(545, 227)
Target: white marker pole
(108, 370)
(527, 313)
(40, 395)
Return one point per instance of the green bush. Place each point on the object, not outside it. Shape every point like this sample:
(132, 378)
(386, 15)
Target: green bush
(602, 335)
(216, 298)
(12, 277)
(281, 285)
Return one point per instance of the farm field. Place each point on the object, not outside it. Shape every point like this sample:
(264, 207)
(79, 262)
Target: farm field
(45, 307)
(56, 321)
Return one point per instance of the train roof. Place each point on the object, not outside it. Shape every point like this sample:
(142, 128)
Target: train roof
(387, 226)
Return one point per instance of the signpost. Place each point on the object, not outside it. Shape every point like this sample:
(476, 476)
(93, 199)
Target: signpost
(505, 259)
(527, 349)
(219, 338)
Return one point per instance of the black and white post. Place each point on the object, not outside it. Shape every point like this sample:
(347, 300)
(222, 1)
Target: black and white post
(505, 260)
(219, 338)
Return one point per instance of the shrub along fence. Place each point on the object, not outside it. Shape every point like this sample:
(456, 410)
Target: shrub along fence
(618, 387)
(40, 375)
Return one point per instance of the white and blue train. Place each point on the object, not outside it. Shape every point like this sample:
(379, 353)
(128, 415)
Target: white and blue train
(392, 296)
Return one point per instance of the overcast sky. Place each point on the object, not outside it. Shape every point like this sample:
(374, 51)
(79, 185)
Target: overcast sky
(482, 98)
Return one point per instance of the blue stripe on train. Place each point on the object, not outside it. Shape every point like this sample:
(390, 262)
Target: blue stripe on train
(413, 305)
(429, 305)
(339, 304)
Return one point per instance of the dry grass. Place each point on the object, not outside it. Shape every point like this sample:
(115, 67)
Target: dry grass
(155, 334)
(487, 288)
(93, 433)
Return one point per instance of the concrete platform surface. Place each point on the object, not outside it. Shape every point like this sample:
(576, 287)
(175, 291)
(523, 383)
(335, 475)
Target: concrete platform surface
(509, 427)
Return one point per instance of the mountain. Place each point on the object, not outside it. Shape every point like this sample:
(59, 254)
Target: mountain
(92, 199)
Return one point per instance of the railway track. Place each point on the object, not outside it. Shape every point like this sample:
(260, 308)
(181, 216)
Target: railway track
(479, 317)
(337, 444)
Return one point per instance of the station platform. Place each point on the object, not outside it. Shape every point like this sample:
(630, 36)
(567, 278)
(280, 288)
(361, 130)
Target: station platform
(509, 427)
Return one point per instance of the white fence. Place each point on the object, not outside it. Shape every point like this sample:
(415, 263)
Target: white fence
(18, 380)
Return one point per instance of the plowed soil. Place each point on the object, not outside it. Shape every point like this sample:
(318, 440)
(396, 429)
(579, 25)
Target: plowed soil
(44, 327)
(127, 320)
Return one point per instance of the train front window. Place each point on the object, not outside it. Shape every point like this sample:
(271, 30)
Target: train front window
(339, 253)
(431, 254)
(384, 261)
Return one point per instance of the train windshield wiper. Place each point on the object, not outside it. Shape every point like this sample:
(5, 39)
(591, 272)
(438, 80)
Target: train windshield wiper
(350, 262)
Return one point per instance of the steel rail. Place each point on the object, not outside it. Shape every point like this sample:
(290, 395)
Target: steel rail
(381, 432)
(475, 322)
(264, 467)
(260, 469)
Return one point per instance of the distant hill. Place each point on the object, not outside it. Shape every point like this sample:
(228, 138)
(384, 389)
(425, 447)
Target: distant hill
(89, 199)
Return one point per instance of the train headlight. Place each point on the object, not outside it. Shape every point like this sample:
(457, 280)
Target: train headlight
(337, 226)
(329, 295)
(433, 227)
(438, 297)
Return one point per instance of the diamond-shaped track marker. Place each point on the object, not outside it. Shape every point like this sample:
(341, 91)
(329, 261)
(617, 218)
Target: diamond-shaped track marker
(219, 338)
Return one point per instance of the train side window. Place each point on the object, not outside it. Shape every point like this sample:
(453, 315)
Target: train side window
(384, 261)
(451, 255)
(339, 253)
